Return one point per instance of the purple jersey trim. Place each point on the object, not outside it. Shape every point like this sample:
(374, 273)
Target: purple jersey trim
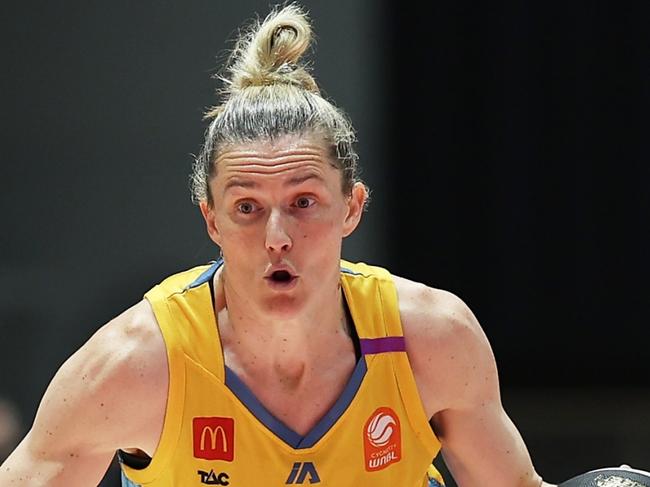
(371, 346)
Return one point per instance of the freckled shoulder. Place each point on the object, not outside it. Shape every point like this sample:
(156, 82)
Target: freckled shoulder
(140, 375)
(444, 342)
(115, 385)
(430, 316)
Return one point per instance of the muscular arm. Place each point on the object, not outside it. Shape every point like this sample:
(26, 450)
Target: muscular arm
(457, 378)
(110, 394)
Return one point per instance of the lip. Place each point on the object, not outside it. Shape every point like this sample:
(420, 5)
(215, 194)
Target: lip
(281, 285)
(279, 267)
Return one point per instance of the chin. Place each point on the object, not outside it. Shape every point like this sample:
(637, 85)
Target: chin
(285, 307)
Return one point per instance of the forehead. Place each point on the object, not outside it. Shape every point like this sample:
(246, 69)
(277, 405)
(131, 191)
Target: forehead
(288, 156)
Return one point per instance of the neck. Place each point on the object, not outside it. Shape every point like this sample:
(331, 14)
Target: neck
(244, 326)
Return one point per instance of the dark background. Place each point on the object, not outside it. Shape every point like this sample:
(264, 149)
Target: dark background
(504, 148)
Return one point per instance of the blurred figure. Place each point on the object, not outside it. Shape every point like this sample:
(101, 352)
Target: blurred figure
(10, 428)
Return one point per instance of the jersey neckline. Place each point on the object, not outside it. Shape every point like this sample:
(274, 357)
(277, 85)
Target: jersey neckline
(267, 419)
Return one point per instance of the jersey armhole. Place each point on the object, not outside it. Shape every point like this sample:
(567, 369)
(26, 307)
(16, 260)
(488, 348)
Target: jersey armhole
(175, 395)
(403, 372)
(136, 462)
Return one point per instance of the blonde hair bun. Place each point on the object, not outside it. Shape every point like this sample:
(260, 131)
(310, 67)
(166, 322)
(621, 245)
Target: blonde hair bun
(269, 53)
(268, 92)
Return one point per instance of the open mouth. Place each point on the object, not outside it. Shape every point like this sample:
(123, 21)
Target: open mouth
(281, 279)
(281, 276)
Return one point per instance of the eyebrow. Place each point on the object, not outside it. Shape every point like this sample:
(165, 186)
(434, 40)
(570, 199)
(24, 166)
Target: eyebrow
(301, 179)
(247, 183)
(240, 183)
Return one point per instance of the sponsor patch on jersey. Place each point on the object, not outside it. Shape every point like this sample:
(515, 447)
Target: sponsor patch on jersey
(214, 438)
(212, 478)
(382, 439)
(301, 472)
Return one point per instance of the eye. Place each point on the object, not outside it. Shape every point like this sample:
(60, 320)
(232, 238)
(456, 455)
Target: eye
(246, 207)
(304, 202)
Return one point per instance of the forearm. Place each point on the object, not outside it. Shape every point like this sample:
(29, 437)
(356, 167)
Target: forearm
(40, 474)
(484, 448)
(32, 468)
(47, 473)
(21, 468)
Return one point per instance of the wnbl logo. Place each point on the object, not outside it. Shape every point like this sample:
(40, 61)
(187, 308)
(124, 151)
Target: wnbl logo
(382, 442)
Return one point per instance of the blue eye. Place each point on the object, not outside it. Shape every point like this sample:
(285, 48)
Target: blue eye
(304, 202)
(246, 207)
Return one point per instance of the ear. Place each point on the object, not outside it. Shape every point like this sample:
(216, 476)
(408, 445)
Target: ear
(356, 203)
(208, 213)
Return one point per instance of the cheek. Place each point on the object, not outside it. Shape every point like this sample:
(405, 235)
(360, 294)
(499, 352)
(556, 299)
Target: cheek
(234, 238)
(319, 228)
(320, 244)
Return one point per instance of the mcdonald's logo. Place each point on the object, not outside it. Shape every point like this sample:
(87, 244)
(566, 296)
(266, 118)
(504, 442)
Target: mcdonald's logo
(214, 438)
(212, 433)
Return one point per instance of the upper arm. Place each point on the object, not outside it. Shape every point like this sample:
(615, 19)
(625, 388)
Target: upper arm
(457, 377)
(94, 405)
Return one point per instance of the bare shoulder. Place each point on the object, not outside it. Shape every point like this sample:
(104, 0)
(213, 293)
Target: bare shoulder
(115, 385)
(433, 319)
(447, 347)
(111, 393)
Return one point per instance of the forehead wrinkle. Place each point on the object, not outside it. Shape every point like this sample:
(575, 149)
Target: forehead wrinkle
(240, 165)
(271, 157)
(272, 152)
(297, 173)
(254, 163)
(262, 162)
(254, 167)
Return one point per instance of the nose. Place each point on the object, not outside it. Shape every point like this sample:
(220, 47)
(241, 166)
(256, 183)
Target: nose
(277, 236)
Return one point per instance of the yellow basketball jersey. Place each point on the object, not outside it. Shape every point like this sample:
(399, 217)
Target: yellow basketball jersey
(216, 432)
